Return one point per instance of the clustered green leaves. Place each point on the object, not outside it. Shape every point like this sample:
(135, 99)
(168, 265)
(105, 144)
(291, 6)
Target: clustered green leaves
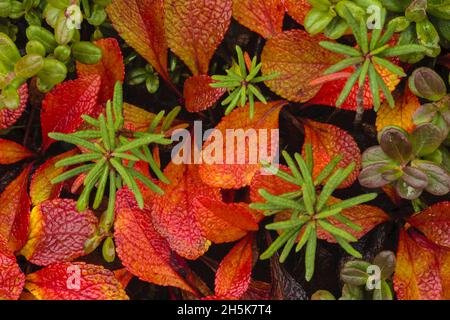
(362, 280)
(144, 75)
(418, 161)
(241, 82)
(371, 52)
(49, 56)
(309, 208)
(110, 156)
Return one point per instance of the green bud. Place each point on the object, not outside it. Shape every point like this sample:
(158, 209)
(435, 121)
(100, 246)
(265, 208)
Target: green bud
(9, 54)
(35, 47)
(322, 295)
(409, 36)
(427, 84)
(86, 52)
(98, 16)
(152, 83)
(356, 11)
(428, 37)
(27, 4)
(51, 15)
(417, 11)
(5, 8)
(17, 82)
(43, 87)
(16, 10)
(33, 18)
(336, 28)
(137, 76)
(63, 33)
(355, 273)
(29, 65)
(439, 8)
(11, 98)
(322, 5)
(92, 244)
(97, 35)
(53, 72)
(62, 53)
(316, 21)
(43, 36)
(109, 250)
(401, 23)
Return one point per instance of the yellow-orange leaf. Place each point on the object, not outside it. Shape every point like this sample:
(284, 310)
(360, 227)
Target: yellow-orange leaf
(141, 24)
(297, 9)
(12, 152)
(194, 29)
(298, 59)
(15, 211)
(262, 16)
(406, 103)
(241, 151)
(41, 188)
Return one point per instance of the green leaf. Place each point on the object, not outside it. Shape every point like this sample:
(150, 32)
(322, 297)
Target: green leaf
(402, 50)
(149, 183)
(340, 48)
(309, 191)
(390, 66)
(277, 244)
(73, 140)
(310, 254)
(148, 139)
(375, 90)
(348, 87)
(129, 181)
(348, 203)
(347, 247)
(292, 166)
(241, 62)
(328, 213)
(343, 64)
(86, 157)
(288, 224)
(101, 188)
(72, 173)
(363, 75)
(387, 93)
(280, 201)
(305, 236)
(336, 231)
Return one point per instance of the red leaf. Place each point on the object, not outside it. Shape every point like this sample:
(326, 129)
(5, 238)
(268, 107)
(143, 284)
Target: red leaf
(234, 273)
(141, 24)
(63, 107)
(328, 142)
(434, 223)
(271, 184)
(417, 273)
(58, 232)
(41, 187)
(194, 30)
(9, 117)
(298, 59)
(12, 279)
(262, 16)
(12, 152)
(141, 249)
(110, 68)
(15, 211)
(224, 222)
(174, 213)
(75, 281)
(297, 9)
(199, 95)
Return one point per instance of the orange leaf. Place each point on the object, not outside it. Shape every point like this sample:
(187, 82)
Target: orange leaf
(12, 152)
(365, 216)
(12, 279)
(261, 16)
(194, 30)
(141, 24)
(141, 249)
(234, 272)
(137, 119)
(328, 142)
(434, 223)
(243, 147)
(75, 281)
(224, 222)
(297, 9)
(174, 212)
(58, 232)
(41, 187)
(298, 59)
(9, 117)
(417, 273)
(271, 184)
(406, 104)
(330, 91)
(63, 107)
(110, 68)
(199, 95)
(15, 211)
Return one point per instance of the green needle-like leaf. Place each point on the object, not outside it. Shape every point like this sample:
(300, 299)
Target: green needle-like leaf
(340, 48)
(328, 213)
(149, 183)
(86, 157)
(387, 93)
(277, 244)
(343, 64)
(305, 236)
(374, 88)
(156, 121)
(129, 181)
(348, 87)
(95, 172)
(150, 138)
(288, 224)
(348, 203)
(289, 245)
(292, 166)
(73, 140)
(363, 75)
(390, 66)
(72, 173)
(280, 201)
(347, 247)
(257, 93)
(336, 231)
(241, 62)
(171, 116)
(310, 254)
(402, 49)
(101, 188)
(329, 168)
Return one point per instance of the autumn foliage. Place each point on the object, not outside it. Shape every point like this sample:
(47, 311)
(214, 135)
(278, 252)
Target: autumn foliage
(103, 141)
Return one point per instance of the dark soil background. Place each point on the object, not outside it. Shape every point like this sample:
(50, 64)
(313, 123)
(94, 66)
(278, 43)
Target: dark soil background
(288, 279)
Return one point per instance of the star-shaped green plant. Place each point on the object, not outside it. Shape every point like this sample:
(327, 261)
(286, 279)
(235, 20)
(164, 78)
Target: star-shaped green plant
(110, 154)
(309, 208)
(241, 82)
(371, 51)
